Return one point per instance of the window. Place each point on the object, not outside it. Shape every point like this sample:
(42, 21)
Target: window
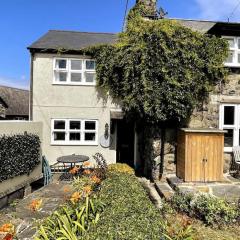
(230, 121)
(74, 132)
(74, 71)
(233, 58)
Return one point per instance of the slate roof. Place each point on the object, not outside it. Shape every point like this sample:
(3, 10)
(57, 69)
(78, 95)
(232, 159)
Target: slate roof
(71, 40)
(75, 41)
(16, 99)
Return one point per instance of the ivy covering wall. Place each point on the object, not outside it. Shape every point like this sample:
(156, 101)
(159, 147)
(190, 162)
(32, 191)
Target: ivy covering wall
(19, 155)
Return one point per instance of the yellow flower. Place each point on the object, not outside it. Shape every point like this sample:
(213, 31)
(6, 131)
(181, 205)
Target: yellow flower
(87, 172)
(74, 170)
(7, 228)
(87, 189)
(75, 197)
(35, 205)
(86, 164)
(95, 179)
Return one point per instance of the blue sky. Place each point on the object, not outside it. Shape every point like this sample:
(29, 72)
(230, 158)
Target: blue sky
(24, 21)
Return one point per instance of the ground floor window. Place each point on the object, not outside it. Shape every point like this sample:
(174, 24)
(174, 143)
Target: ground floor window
(74, 132)
(230, 121)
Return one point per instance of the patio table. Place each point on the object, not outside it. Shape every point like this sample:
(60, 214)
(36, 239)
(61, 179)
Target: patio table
(72, 159)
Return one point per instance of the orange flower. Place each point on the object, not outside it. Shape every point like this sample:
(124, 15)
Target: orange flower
(75, 197)
(66, 189)
(35, 205)
(87, 189)
(95, 179)
(87, 172)
(86, 164)
(74, 170)
(7, 228)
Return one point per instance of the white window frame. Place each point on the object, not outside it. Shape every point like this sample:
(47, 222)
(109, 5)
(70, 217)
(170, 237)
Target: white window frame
(68, 70)
(235, 127)
(236, 51)
(67, 131)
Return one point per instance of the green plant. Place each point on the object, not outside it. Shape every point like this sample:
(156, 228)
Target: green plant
(208, 208)
(160, 70)
(120, 167)
(19, 154)
(71, 221)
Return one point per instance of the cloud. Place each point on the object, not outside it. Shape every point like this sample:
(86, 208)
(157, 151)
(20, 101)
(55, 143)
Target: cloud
(219, 9)
(10, 82)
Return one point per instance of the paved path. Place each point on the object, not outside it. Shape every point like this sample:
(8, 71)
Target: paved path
(23, 218)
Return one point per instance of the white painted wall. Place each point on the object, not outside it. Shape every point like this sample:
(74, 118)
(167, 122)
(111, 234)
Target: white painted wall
(66, 101)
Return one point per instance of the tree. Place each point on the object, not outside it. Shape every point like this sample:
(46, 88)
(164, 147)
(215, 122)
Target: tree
(158, 69)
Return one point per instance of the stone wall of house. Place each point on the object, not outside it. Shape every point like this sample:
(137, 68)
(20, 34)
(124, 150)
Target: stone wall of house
(206, 116)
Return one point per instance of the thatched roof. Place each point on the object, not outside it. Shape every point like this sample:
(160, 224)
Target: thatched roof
(16, 99)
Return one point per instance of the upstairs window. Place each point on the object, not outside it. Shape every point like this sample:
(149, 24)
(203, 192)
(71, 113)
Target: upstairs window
(233, 59)
(74, 71)
(74, 132)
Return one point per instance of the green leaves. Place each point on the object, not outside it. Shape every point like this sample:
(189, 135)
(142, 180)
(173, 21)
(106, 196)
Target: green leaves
(160, 70)
(19, 154)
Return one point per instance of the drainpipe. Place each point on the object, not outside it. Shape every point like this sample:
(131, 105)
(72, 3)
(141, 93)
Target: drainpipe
(31, 88)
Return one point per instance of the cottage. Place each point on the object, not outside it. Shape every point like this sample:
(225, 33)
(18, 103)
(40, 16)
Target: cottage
(14, 103)
(78, 118)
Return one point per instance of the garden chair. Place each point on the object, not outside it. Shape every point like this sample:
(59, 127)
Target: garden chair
(236, 156)
(47, 173)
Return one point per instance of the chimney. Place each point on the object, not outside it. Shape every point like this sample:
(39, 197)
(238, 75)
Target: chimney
(151, 8)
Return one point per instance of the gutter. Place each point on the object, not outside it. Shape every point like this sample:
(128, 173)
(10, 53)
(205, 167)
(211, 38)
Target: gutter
(31, 88)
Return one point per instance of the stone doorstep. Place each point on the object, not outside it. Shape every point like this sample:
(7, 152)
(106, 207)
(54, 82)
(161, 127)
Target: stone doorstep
(164, 190)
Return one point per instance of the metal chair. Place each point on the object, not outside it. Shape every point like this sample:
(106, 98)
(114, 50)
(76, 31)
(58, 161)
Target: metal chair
(47, 173)
(236, 157)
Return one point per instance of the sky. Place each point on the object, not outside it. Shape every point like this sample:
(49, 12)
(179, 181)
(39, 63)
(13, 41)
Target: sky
(23, 21)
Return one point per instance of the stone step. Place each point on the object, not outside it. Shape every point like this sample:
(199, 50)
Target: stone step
(164, 190)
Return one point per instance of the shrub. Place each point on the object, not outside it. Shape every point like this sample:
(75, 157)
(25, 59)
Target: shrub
(120, 167)
(208, 208)
(128, 213)
(19, 154)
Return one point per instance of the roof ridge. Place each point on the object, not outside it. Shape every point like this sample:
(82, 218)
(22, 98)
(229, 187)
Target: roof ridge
(75, 31)
(203, 20)
(14, 88)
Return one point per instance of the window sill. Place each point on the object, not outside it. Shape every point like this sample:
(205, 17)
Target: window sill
(74, 84)
(231, 65)
(73, 144)
(227, 149)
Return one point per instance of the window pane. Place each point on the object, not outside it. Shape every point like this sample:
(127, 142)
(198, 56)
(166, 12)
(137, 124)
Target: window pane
(75, 125)
(230, 57)
(230, 42)
(90, 136)
(238, 43)
(238, 57)
(76, 77)
(90, 125)
(61, 76)
(61, 64)
(90, 77)
(59, 136)
(228, 138)
(76, 64)
(75, 137)
(229, 115)
(59, 124)
(90, 65)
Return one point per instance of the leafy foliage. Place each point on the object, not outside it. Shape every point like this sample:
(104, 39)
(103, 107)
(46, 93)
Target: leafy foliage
(120, 167)
(19, 154)
(210, 209)
(129, 214)
(160, 70)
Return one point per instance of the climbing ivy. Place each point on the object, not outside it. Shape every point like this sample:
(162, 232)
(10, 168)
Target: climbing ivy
(159, 69)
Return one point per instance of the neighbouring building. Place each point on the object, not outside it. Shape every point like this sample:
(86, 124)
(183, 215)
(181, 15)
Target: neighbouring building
(14, 103)
(76, 116)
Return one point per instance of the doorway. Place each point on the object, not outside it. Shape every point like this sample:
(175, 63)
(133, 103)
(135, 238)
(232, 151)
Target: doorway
(125, 142)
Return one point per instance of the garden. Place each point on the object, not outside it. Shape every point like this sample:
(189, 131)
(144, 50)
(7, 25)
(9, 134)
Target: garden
(109, 202)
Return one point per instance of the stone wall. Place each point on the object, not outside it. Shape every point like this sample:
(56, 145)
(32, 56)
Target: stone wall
(205, 116)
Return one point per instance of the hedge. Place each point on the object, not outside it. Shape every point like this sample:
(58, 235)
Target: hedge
(19, 155)
(129, 214)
